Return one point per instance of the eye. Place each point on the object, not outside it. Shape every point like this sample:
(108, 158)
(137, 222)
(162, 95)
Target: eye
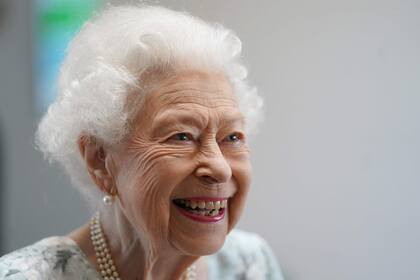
(182, 136)
(234, 137)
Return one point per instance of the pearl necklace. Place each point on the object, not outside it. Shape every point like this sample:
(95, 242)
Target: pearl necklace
(103, 255)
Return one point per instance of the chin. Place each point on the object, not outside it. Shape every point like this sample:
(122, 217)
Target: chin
(202, 247)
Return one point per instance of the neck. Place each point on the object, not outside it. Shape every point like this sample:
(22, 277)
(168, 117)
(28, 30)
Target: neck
(135, 256)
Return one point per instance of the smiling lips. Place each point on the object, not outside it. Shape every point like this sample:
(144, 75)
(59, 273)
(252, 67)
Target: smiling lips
(202, 209)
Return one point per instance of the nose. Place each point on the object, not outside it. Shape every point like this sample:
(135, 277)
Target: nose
(213, 167)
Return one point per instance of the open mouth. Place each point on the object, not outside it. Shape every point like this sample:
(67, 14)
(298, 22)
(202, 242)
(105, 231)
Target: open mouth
(202, 209)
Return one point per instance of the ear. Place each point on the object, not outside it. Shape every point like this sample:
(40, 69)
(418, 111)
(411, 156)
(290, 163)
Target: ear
(97, 161)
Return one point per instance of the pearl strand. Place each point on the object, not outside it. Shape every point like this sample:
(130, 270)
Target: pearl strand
(106, 264)
(191, 274)
(103, 256)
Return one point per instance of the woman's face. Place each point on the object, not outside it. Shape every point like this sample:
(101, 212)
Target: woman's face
(184, 172)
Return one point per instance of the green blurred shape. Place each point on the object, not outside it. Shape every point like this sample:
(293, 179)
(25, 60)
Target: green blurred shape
(64, 15)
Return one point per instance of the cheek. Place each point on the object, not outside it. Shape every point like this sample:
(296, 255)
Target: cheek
(153, 167)
(146, 183)
(240, 163)
(241, 172)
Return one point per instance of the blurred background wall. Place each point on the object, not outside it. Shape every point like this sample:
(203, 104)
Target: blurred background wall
(336, 187)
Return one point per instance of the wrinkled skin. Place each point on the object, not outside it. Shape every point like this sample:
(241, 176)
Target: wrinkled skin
(187, 141)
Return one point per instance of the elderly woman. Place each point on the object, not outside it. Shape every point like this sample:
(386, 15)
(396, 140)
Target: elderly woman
(151, 123)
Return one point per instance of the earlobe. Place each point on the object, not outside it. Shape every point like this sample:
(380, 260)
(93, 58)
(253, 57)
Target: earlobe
(98, 173)
(108, 186)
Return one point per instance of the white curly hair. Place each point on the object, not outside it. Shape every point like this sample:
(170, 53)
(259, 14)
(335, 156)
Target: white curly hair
(105, 62)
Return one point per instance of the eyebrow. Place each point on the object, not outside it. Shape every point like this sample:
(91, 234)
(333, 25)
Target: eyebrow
(172, 118)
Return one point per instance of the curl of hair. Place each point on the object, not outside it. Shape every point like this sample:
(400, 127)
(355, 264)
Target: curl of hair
(103, 64)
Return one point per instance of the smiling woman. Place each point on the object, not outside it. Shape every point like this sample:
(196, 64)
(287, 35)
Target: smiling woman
(151, 120)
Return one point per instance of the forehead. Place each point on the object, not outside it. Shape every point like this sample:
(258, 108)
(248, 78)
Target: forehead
(200, 88)
(192, 91)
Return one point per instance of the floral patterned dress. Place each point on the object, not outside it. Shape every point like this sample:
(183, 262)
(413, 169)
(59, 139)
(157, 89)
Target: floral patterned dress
(243, 256)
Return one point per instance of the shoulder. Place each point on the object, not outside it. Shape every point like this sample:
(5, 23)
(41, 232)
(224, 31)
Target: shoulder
(244, 242)
(50, 258)
(244, 255)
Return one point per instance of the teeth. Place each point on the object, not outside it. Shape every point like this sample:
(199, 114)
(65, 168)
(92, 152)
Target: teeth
(202, 204)
(194, 204)
(202, 212)
(209, 205)
(215, 212)
(204, 208)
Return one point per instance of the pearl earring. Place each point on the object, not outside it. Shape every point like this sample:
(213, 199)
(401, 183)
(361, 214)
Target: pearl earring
(107, 200)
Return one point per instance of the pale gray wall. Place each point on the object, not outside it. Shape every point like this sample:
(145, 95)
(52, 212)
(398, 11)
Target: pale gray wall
(337, 163)
(36, 199)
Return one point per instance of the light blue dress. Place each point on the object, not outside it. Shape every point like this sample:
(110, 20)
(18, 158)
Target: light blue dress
(244, 256)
